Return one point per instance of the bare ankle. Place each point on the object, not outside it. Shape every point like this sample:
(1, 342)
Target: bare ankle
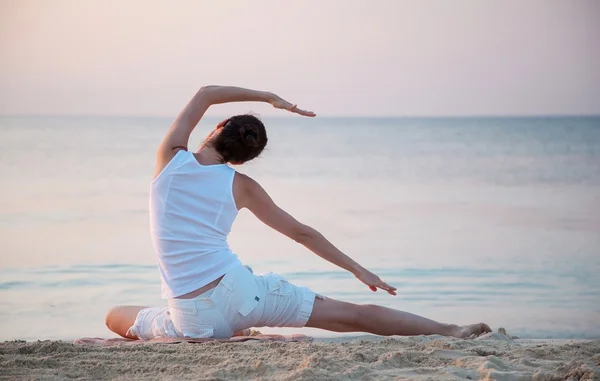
(452, 330)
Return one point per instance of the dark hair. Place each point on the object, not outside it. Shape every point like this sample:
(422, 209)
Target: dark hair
(242, 138)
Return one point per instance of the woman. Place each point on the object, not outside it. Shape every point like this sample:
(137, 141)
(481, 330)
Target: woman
(194, 200)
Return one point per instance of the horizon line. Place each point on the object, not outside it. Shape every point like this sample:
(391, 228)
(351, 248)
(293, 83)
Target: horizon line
(406, 116)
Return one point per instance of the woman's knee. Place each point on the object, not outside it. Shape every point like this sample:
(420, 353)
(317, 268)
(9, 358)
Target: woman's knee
(113, 317)
(365, 312)
(120, 318)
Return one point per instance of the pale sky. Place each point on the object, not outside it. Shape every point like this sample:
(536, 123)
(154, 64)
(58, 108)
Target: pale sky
(336, 57)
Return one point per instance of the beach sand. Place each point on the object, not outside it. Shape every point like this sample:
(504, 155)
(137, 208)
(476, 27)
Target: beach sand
(493, 356)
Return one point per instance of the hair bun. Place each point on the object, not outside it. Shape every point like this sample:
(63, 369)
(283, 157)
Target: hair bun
(249, 134)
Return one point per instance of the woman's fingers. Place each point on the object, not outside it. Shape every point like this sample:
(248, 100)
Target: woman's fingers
(304, 112)
(386, 287)
(283, 104)
(374, 282)
(297, 110)
(390, 291)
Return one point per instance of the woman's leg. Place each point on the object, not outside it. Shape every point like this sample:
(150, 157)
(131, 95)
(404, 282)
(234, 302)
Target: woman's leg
(334, 315)
(120, 318)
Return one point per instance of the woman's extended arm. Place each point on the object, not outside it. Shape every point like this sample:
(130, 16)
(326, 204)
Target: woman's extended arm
(178, 135)
(251, 195)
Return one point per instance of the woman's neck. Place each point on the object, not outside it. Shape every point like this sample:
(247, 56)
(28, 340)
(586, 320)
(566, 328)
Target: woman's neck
(208, 156)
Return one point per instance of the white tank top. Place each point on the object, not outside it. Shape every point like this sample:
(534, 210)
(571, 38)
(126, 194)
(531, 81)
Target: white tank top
(191, 213)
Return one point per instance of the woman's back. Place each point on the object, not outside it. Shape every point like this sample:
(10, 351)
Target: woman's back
(191, 212)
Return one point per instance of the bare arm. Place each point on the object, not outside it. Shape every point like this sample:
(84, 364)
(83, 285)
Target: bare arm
(256, 199)
(178, 135)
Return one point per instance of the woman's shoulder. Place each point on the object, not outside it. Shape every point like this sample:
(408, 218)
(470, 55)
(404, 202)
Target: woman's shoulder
(179, 158)
(243, 179)
(244, 189)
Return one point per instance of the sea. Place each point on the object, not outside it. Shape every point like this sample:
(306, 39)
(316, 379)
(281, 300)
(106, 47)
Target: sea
(472, 219)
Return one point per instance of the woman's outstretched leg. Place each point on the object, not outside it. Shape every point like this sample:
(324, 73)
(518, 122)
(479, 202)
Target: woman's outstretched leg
(334, 315)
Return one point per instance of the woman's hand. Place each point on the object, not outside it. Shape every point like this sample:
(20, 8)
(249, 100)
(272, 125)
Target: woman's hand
(374, 282)
(281, 103)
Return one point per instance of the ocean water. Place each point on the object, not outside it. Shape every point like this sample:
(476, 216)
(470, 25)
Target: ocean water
(473, 219)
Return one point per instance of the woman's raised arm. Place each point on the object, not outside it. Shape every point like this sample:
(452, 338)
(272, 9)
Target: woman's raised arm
(178, 135)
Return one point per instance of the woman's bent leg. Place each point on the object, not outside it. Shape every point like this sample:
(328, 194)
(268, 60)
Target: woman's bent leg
(120, 318)
(334, 315)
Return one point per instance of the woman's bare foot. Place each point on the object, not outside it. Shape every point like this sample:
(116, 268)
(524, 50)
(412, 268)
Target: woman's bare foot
(466, 331)
(247, 332)
(244, 332)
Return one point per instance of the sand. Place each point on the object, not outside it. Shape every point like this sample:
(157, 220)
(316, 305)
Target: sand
(493, 356)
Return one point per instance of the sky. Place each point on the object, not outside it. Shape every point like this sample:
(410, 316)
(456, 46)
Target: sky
(335, 57)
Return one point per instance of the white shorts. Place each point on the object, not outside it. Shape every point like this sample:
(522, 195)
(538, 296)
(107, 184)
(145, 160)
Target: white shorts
(240, 301)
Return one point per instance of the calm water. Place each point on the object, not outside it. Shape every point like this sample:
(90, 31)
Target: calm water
(472, 219)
